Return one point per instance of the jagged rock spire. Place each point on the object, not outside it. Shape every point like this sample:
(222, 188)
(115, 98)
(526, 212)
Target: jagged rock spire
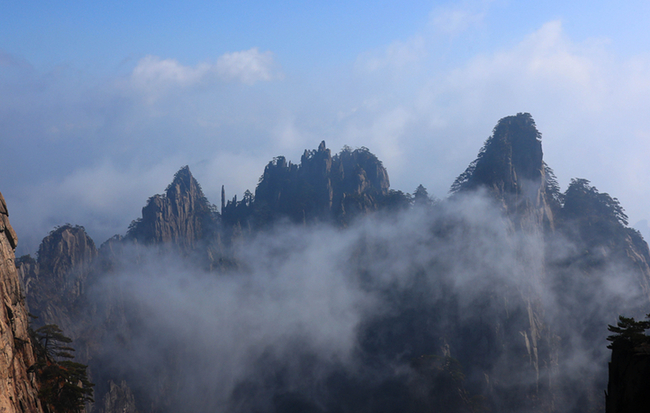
(510, 166)
(509, 159)
(322, 186)
(183, 216)
(55, 283)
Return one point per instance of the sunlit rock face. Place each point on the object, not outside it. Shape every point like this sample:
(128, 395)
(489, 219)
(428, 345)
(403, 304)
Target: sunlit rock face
(18, 389)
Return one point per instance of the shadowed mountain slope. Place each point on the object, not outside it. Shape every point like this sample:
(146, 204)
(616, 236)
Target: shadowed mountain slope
(321, 188)
(510, 167)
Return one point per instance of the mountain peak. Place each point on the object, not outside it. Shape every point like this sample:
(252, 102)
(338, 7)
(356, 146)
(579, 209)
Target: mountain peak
(183, 173)
(184, 183)
(182, 216)
(511, 168)
(322, 187)
(510, 160)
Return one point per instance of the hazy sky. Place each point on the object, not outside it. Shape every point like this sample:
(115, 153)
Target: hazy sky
(101, 102)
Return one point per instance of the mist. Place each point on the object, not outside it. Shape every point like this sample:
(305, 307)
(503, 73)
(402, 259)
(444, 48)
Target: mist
(321, 318)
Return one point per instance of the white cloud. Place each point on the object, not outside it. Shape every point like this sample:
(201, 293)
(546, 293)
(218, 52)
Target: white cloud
(551, 57)
(154, 71)
(287, 134)
(382, 132)
(154, 75)
(248, 66)
(543, 62)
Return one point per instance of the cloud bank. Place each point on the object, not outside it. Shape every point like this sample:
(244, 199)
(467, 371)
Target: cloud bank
(309, 310)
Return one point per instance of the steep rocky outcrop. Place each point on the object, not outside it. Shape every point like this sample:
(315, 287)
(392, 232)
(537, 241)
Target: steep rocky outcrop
(597, 225)
(64, 284)
(56, 281)
(182, 216)
(56, 285)
(510, 167)
(511, 170)
(321, 188)
(628, 390)
(581, 234)
(18, 387)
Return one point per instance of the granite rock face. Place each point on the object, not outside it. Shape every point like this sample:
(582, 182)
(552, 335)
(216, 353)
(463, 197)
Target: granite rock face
(571, 238)
(510, 170)
(55, 282)
(18, 387)
(181, 217)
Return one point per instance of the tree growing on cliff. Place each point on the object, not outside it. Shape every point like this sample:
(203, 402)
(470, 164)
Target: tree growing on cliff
(64, 384)
(627, 329)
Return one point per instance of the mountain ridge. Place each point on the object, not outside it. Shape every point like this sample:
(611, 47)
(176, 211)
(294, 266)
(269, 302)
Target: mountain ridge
(567, 240)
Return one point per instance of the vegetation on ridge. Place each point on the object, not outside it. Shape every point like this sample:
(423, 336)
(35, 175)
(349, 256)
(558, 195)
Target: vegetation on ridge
(515, 143)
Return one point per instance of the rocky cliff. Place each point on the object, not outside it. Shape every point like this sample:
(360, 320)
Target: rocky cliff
(569, 241)
(628, 390)
(321, 188)
(510, 167)
(597, 224)
(18, 387)
(182, 216)
(55, 282)
(511, 171)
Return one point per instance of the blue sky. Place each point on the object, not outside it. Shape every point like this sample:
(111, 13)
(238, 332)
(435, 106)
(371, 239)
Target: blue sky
(101, 102)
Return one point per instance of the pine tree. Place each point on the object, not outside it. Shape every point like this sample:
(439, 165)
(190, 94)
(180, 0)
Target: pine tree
(629, 330)
(64, 384)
